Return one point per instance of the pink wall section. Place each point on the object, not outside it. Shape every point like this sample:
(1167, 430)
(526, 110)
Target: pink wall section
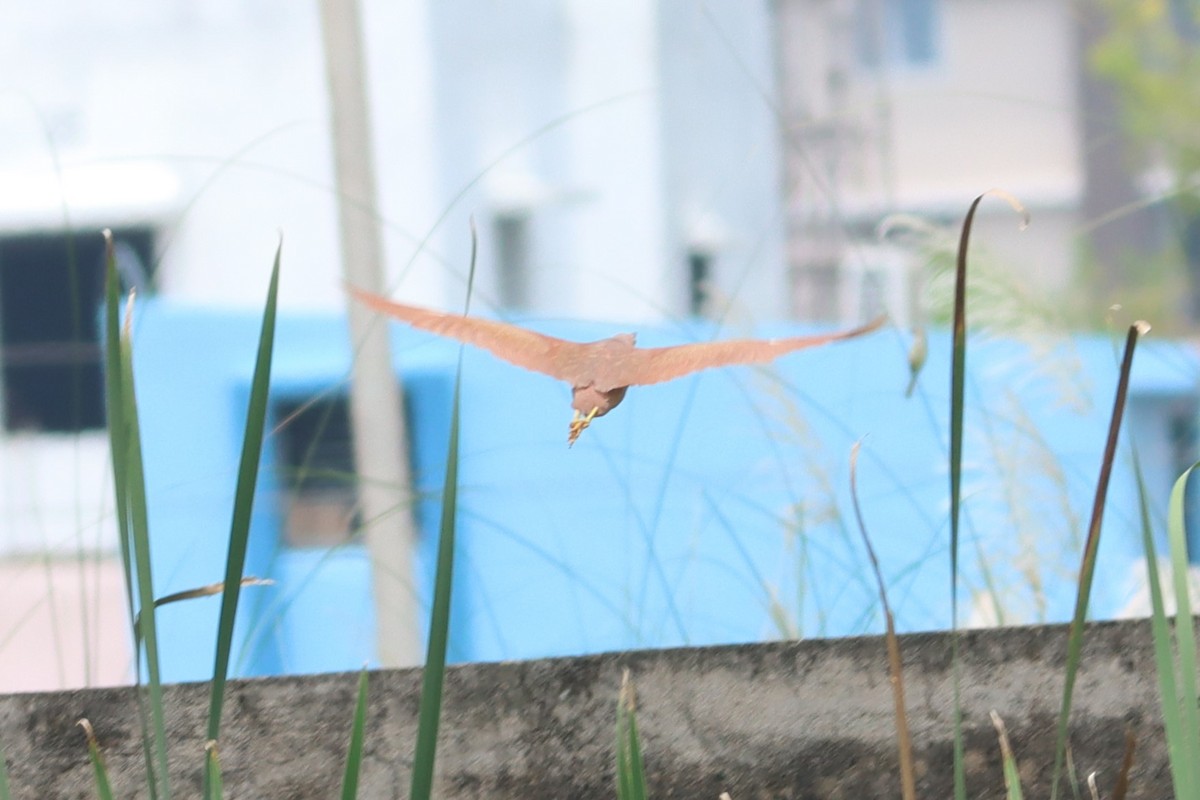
(63, 624)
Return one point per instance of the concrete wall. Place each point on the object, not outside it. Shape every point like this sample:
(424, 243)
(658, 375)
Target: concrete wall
(809, 719)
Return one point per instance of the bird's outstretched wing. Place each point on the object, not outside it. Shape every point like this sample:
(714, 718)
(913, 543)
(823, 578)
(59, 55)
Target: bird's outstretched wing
(525, 348)
(658, 364)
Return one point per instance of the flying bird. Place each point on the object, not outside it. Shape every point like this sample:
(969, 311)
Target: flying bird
(599, 372)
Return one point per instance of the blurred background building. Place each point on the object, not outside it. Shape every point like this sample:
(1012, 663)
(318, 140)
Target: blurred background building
(629, 162)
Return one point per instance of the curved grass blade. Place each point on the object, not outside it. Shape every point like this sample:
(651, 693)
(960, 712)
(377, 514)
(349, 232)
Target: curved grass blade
(355, 753)
(1186, 749)
(958, 371)
(208, 591)
(434, 674)
(631, 770)
(201, 591)
(1091, 546)
(243, 503)
(908, 772)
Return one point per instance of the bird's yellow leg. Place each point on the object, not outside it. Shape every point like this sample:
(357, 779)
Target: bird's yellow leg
(579, 423)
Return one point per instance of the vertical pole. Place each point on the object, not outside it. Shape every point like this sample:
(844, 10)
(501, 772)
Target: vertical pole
(376, 402)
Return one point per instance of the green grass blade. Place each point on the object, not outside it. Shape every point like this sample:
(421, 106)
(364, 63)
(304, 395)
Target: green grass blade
(243, 503)
(1087, 569)
(355, 753)
(958, 368)
(434, 674)
(5, 792)
(213, 790)
(103, 787)
(115, 408)
(119, 428)
(958, 372)
(1182, 767)
(1012, 775)
(1185, 640)
(140, 547)
(630, 768)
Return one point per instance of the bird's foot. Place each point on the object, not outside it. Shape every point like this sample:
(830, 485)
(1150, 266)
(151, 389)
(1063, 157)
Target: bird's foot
(579, 424)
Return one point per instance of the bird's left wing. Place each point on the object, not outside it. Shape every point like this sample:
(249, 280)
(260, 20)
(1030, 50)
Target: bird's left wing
(516, 345)
(658, 364)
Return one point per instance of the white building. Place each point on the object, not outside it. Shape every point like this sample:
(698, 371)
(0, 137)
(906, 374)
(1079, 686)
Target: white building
(915, 107)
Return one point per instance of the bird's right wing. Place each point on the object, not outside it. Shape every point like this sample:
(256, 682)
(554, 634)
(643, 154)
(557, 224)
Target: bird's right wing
(516, 345)
(658, 364)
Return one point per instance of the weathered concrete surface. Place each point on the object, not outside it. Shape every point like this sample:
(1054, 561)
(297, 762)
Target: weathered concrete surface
(787, 720)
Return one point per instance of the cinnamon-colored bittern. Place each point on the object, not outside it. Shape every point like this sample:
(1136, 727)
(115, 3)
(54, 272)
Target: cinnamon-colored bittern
(599, 372)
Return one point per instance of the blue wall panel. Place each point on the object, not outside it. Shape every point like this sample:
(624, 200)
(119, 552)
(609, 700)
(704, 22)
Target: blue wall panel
(712, 509)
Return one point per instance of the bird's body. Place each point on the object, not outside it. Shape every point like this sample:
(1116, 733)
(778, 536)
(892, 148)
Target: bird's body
(599, 372)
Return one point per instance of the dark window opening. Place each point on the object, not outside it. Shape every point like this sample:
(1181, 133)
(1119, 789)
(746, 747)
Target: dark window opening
(316, 456)
(699, 282)
(51, 288)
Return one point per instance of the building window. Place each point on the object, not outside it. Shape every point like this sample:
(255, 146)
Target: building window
(878, 279)
(896, 33)
(511, 233)
(816, 288)
(316, 454)
(699, 282)
(51, 289)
